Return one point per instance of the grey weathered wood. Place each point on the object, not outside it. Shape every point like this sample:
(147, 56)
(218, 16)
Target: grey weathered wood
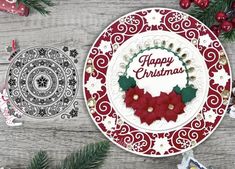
(77, 23)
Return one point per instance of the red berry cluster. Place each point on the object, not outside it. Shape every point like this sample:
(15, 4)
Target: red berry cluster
(226, 21)
(185, 4)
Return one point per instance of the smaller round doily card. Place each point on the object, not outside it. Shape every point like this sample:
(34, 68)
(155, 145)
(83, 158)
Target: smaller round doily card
(42, 82)
(157, 82)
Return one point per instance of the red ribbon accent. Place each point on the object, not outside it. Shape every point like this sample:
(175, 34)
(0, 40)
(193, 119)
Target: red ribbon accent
(13, 45)
(5, 100)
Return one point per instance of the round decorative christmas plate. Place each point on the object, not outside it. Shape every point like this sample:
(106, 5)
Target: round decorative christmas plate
(42, 82)
(157, 82)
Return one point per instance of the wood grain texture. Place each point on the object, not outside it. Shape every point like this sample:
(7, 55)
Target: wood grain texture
(77, 23)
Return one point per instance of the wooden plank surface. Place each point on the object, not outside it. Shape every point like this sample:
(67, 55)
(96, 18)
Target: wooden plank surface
(77, 23)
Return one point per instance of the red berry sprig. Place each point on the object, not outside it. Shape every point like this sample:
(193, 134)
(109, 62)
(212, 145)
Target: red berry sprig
(233, 22)
(220, 16)
(226, 26)
(226, 21)
(233, 5)
(216, 30)
(185, 4)
(203, 4)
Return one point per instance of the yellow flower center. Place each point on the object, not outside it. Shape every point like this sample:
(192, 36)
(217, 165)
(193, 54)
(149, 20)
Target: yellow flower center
(150, 109)
(135, 97)
(171, 106)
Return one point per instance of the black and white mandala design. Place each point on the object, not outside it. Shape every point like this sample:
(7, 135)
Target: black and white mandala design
(42, 82)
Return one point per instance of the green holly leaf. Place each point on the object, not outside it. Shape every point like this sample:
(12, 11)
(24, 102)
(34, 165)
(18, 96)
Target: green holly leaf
(177, 89)
(126, 83)
(188, 93)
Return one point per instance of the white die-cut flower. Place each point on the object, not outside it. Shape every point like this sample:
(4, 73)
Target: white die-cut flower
(210, 116)
(205, 40)
(109, 123)
(105, 46)
(154, 18)
(221, 77)
(93, 85)
(161, 145)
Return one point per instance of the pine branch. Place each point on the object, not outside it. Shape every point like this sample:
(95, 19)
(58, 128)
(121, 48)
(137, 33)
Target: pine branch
(90, 157)
(207, 16)
(38, 5)
(40, 161)
(228, 36)
(48, 2)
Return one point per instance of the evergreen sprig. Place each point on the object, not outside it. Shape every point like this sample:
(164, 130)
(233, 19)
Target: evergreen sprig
(90, 157)
(228, 36)
(207, 15)
(38, 5)
(40, 161)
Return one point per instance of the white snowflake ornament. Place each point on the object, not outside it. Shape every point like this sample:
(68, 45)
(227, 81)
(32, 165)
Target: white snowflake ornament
(105, 46)
(205, 40)
(93, 85)
(161, 145)
(154, 18)
(210, 116)
(221, 77)
(109, 123)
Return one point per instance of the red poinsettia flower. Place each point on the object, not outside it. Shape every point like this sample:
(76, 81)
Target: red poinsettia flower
(133, 98)
(171, 105)
(149, 112)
